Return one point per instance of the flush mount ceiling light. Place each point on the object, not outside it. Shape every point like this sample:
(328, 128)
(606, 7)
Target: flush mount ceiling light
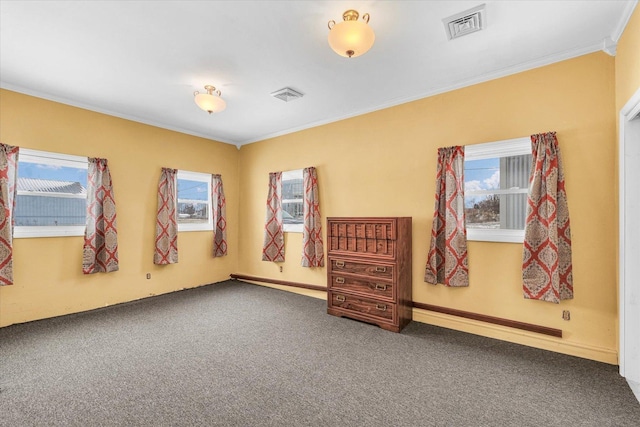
(211, 101)
(351, 37)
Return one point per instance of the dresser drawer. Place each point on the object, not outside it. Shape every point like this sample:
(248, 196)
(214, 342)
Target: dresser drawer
(370, 269)
(350, 304)
(376, 289)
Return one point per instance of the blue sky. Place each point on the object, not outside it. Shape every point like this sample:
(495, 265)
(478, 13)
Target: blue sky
(187, 189)
(193, 190)
(57, 173)
(480, 175)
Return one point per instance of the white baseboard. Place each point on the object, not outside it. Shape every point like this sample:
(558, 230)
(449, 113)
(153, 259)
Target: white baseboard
(635, 387)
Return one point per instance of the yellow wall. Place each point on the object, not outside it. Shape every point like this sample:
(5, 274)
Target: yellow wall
(383, 164)
(628, 61)
(47, 271)
(379, 164)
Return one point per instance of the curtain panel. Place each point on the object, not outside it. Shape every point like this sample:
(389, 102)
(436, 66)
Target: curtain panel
(447, 258)
(219, 206)
(100, 252)
(312, 247)
(546, 265)
(273, 246)
(166, 250)
(8, 177)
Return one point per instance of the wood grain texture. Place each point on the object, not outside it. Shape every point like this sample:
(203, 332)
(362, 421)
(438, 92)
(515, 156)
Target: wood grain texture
(369, 270)
(490, 319)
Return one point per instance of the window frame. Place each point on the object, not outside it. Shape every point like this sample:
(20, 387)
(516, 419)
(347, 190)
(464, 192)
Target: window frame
(54, 159)
(200, 177)
(293, 228)
(489, 150)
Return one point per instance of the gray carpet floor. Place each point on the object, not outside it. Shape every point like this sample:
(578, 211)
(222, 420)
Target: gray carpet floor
(236, 354)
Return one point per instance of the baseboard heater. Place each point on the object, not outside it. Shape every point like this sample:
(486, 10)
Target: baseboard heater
(444, 310)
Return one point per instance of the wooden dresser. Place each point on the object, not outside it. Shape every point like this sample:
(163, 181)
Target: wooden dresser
(369, 270)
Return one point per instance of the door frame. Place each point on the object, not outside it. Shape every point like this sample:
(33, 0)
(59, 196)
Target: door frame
(630, 112)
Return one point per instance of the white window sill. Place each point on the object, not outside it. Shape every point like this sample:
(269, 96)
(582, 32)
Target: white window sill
(24, 232)
(493, 235)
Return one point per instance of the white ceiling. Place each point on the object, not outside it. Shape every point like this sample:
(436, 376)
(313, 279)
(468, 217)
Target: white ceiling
(142, 60)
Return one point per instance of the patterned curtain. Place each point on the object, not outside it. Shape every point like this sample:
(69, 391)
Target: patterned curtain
(219, 205)
(8, 172)
(312, 248)
(100, 252)
(447, 259)
(546, 260)
(166, 251)
(273, 247)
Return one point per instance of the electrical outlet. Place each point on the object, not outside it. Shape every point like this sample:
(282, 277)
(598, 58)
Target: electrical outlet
(566, 314)
(280, 269)
(148, 275)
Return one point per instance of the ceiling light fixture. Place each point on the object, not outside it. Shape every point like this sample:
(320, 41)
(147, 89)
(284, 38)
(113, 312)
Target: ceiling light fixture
(351, 37)
(211, 101)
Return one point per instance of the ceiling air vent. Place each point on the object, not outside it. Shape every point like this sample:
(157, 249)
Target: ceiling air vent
(287, 94)
(466, 22)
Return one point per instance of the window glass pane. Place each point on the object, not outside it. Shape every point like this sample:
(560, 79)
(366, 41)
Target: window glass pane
(193, 201)
(496, 211)
(50, 195)
(292, 198)
(496, 192)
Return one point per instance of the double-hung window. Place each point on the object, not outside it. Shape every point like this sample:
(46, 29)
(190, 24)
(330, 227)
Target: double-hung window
(292, 201)
(496, 180)
(194, 201)
(51, 194)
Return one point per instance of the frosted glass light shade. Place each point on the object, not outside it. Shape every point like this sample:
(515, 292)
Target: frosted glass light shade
(351, 38)
(210, 103)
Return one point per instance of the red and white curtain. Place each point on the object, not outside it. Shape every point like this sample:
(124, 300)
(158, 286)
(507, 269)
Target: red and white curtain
(219, 205)
(312, 247)
(100, 253)
(273, 246)
(166, 250)
(8, 173)
(447, 259)
(546, 265)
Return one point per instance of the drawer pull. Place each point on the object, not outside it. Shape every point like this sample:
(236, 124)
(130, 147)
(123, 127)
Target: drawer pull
(340, 264)
(381, 287)
(340, 280)
(381, 269)
(340, 298)
(381, 307)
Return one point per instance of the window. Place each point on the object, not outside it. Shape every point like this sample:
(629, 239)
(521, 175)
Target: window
(292, 201)
(194, 201)
(51, 194)
(496, 180)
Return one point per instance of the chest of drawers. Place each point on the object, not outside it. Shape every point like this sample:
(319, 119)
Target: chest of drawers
(369, 270)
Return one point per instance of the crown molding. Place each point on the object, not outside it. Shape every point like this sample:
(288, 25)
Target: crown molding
(66, 101)
(624, 20)
(515, 69)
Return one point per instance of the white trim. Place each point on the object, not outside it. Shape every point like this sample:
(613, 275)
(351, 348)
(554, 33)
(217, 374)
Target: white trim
(624, 20)
(287, 176)
(26, 232)
(200, 177)
(635, 388)
(525, 66)
(489, 150)
(28, 155)
(630, 110)
(518, 68)
(495, 235)
(137, 119)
